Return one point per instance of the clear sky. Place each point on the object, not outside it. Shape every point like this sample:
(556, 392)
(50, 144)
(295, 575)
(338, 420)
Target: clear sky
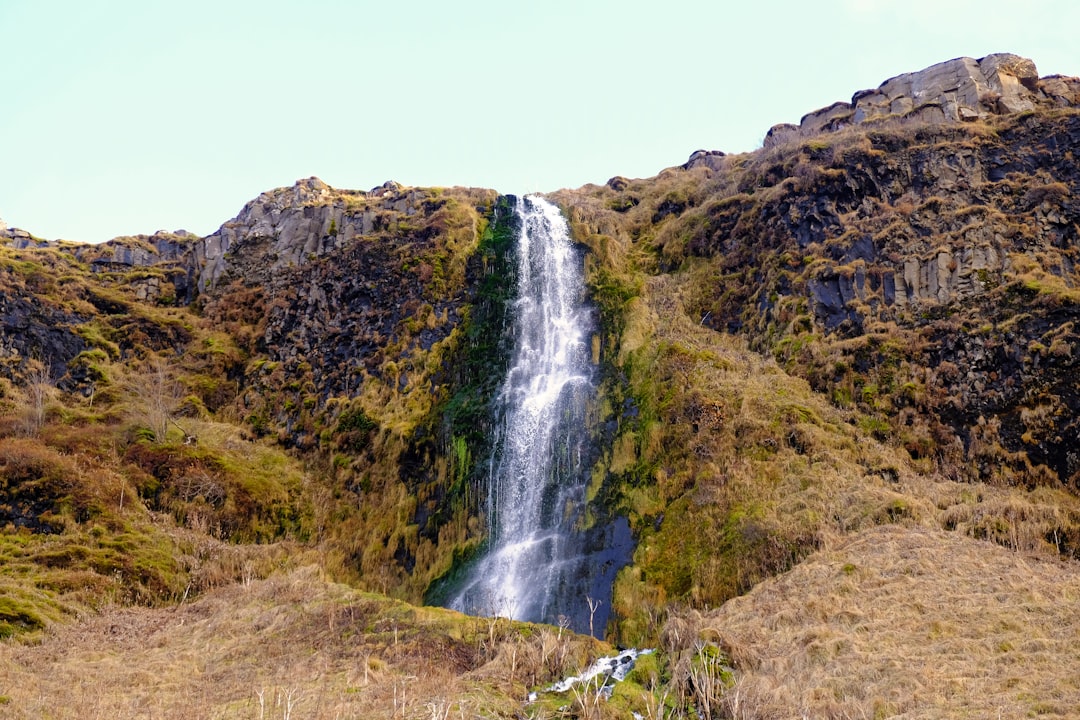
(129, 116)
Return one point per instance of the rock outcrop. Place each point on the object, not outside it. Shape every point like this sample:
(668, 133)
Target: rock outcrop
(712, 159)
(959, 90)
(284, 227)
(32, 329)
(302, 222)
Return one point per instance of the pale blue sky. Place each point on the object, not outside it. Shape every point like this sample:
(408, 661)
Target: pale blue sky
(128, 116)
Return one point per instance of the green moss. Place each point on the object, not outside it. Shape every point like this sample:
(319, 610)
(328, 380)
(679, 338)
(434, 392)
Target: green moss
(612, 293)
(96, 336)
(18, 617)
(355, 420)
(480, 367)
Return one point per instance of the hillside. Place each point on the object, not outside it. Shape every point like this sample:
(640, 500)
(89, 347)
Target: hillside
(838, 409)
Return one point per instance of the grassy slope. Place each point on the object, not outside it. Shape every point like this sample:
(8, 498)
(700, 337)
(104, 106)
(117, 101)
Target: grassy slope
(911, 622)
(748, 470)
(102, 501)
(294, 645)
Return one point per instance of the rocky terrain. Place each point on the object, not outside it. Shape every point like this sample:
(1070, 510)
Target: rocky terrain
(958, 90)
(838, 373)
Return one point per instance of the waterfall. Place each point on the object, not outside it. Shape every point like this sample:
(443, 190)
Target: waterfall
(542, 561)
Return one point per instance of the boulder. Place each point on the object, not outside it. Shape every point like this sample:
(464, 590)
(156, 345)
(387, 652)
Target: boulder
(712, 159)
(1061, 90)
(830, 118)
(780, 134)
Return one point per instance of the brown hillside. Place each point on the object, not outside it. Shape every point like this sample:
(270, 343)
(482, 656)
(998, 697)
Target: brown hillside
(896, 622)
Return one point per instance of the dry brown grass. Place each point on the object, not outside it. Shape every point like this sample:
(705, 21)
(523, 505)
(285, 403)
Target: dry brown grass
(293, 645)
(906, 622)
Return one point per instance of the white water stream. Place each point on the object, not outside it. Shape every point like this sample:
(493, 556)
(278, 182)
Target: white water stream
(538, 565)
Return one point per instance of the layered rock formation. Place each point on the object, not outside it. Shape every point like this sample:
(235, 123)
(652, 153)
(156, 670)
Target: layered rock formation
(958, 90)
(291, 225)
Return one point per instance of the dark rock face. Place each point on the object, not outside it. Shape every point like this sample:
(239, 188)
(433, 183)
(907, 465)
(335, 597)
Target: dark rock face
(342, 314)
(31, 329)
(348, 282)
(831, 297)
(956, 238)
(1006, 382)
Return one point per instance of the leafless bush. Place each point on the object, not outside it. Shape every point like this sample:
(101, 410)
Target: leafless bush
(587, 698)
(39, 390)
(157, 395)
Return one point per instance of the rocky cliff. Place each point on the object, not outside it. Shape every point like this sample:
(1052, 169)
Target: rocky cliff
(339, 323)
(909, 244)
(304, 221)
(959, 90)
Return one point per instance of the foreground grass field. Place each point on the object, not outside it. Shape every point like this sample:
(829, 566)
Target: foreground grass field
(291, 646)
(891, 622)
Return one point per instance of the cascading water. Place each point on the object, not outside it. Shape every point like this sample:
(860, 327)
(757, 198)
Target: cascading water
(541, 563)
